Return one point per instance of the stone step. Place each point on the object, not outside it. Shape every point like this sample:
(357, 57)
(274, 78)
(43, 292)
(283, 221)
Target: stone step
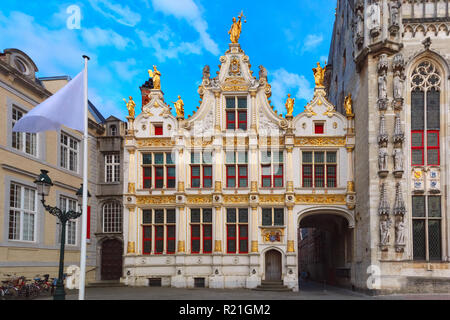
(272, 286)
(104, 284)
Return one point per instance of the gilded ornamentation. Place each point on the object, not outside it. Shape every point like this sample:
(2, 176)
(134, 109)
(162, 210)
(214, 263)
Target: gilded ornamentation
(235, 84)
(179, 108)
(290, 246)
(199, 199)
(131, 247)
(234, 198)
(235, 68)
(254, 186)
(254, 246)
(155, 142)
(272, 235)
(236, 28)
(348, 105)
(130, 106)
(320, 199)
(235, 141)
(156, 76)
(180, 186)
(271, 198)
(218, 186)
(140, 200)
(290, 105)
(320, 141)
(319, 75)
(350, 186)
(309, 110)
(181, 246)
(131, 187)
(217, 246)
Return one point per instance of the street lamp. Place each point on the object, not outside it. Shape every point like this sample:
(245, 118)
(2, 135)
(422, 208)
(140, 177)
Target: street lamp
(43, 186)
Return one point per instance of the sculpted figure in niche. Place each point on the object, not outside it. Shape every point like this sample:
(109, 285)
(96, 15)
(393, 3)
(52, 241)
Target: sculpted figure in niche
(385, 226)
(373, 12)
(382, 86)
(359, 24)
(398, 160)
(398, 85)
(382, 160)
(400, 229)
(394, 7)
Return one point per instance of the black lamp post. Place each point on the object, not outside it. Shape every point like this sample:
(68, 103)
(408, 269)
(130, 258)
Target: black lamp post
(43, 185)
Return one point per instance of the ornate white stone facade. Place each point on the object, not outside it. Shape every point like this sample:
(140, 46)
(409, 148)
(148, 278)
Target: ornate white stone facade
(208, 130)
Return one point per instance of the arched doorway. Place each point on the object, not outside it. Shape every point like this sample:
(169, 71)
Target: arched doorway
(273, 265)
(325, 248)
(111, 266)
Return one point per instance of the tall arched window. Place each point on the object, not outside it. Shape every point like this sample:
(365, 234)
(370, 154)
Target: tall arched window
(425, 152)
(112, 217)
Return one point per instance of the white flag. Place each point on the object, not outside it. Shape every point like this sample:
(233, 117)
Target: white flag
(65, 107)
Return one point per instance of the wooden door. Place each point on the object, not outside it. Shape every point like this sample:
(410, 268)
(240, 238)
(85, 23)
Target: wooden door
(111, 260)
(273, 265)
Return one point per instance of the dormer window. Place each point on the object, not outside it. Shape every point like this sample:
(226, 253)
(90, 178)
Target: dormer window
(236, 111)
(20, 66)
(113, 130)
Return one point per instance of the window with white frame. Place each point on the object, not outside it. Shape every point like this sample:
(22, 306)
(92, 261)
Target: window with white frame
(201, 169)
(272, 169)
(236, 169)
(201, 230)
(22, 141)
(22, 213)
(67, 204)
(158, 231)
(112, 217)
(112, 167)
(69, 152)
(272, 217)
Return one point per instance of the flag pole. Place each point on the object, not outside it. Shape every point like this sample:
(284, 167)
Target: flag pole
(85, 186)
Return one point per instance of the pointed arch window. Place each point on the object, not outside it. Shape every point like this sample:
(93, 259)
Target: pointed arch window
(425, 115)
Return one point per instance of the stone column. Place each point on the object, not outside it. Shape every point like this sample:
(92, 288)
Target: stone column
(181, 230)
(289, 170)
(291, 230)
(131, 246)
(131, 172)
(253, 113)
(218, 231)
(254, 230)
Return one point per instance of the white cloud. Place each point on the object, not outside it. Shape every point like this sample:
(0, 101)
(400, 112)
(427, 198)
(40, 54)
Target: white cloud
(284, 82)
(169, 49)
(122, 14)
(125, 69)
(189, 11)
(311, 42)
(96, 37)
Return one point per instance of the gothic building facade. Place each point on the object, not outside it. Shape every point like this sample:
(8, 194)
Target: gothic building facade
(393, 58)
(216, 199)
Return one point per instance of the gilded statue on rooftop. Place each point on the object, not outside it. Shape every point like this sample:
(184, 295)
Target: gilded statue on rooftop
(290, 105)
(236, 28)
(319, 75)
(348, 105)
(179, 107)
(156, 76)
(130, 106)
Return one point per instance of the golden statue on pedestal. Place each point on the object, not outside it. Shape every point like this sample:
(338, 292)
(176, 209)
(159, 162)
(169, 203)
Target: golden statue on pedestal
(179, 107)
(289, 105)
(348, 105)
(319, 74)
(130, 106)
(236, 28)
(156, 76)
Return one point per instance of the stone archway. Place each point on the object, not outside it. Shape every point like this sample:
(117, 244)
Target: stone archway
(111, 259)
(325, 247)
(273, 262)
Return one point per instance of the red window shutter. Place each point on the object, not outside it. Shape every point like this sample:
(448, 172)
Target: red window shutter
(318, 128)
(88, 232)
(158, 130)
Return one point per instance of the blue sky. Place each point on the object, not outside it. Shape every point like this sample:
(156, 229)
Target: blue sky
(125, 38)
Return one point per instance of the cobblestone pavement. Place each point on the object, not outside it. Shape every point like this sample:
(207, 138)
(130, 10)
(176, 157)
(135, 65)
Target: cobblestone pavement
(308, 291)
